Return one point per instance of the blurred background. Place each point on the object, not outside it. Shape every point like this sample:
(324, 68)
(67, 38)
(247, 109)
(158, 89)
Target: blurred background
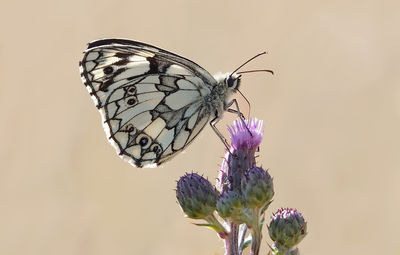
(331, 114)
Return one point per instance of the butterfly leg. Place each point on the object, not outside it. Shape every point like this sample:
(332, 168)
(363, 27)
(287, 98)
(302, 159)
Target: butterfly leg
(214, 122)
(238, 112)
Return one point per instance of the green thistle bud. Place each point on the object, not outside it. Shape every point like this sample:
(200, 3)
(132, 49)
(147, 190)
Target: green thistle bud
(287, 227)
(257, 188)
(196, 196)
(230, 206)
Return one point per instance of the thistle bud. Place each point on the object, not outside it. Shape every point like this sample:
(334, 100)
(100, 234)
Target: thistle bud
(287, 227)
(257, 188)
(230, 206)
(196, 196)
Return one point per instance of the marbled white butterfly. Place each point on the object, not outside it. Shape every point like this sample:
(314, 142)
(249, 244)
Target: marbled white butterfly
(153, 103)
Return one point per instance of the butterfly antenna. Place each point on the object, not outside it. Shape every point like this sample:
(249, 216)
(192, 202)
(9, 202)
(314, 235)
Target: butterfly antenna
(248, 102)
(256, 71)
(259, 54)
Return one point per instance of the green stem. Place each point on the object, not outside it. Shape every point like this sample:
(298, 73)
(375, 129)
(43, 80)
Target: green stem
(222, 232)
(256, 235)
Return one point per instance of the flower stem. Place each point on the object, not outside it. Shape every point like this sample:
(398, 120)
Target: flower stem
(217, 226)
(255, 242)
(231, 242)
(256, 234)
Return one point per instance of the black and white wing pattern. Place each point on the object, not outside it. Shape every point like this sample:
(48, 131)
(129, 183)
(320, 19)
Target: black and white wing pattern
(152, 101)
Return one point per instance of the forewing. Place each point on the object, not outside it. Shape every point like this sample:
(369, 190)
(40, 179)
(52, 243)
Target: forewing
(164, 58)
(151, 103)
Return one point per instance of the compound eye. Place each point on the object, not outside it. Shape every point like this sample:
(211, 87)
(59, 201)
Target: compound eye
(230, 82)
(233, 82)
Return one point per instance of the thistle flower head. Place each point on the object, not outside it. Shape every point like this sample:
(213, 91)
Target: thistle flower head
(287, 227)
(249, 137)
(196, 196)
(246, 136)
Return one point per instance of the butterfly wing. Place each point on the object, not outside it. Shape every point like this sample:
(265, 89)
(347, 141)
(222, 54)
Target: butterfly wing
(151, 100)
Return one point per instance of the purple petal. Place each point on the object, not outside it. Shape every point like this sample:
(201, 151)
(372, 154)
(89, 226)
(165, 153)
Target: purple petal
(241, 138)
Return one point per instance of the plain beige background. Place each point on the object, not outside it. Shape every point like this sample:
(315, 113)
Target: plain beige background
(331, 114)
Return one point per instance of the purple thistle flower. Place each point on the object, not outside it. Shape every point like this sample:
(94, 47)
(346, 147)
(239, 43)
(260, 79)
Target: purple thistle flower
(241, 138)
(246, 136)
(240, 158)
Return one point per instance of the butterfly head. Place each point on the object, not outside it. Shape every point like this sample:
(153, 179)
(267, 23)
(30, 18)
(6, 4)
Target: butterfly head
(233, 81)
(227, 82)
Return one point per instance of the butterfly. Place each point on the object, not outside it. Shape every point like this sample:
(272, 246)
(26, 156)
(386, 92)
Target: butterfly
(153, 102)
